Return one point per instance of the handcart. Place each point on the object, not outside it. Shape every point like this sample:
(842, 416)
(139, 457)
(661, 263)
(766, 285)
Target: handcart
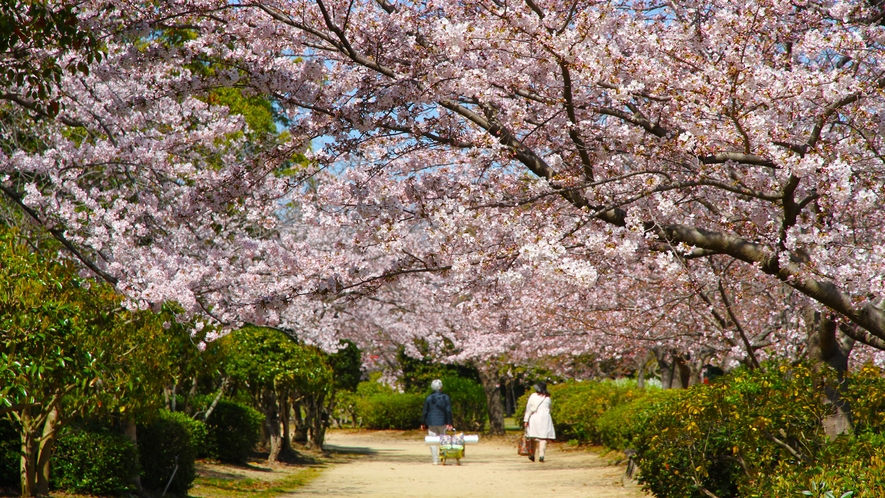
(451, 447)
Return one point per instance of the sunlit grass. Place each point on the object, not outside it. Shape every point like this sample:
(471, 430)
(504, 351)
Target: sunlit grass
(253, 488)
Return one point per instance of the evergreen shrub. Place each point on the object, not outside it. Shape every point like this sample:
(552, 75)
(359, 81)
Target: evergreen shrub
(371, 387)
(390, 411)
(854, 465)
(94, 462)
(166, 452)
(576, 406)
(469, 407)
(620, 424)
(758, 434)
(197, 430)
(233, 431)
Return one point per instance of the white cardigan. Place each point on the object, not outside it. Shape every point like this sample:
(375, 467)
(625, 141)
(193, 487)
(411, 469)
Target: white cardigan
(537, 414)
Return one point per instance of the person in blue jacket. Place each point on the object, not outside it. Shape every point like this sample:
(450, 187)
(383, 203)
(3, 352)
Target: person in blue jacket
(437, 415)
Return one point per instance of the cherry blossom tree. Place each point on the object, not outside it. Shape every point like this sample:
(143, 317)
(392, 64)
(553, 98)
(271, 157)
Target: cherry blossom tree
(607, 151)
(747, 130)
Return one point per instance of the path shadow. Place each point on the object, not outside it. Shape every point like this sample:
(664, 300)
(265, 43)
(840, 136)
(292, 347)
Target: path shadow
(381, 455)
(349, 450)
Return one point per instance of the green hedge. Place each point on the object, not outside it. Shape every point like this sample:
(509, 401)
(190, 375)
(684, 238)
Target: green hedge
(848, 464)
(166, 451)
(759, 434)
(469, 407)
(197, 430)
(97, 463)
(233, 431)
(577, 406)
(620, 424)
(390, 411)
(378, 406)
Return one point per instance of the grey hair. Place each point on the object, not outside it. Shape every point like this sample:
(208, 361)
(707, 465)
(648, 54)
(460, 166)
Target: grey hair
(436, 385)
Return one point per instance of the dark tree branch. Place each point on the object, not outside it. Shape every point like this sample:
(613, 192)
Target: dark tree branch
(737, 324)
(59, 235)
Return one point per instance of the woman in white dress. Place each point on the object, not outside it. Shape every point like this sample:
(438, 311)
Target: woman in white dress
(538, 422)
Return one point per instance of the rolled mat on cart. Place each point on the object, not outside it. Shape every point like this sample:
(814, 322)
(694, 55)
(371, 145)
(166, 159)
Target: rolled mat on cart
(468, 439)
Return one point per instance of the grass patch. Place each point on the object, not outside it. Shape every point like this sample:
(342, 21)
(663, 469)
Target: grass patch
(511, 424)
(290, 479)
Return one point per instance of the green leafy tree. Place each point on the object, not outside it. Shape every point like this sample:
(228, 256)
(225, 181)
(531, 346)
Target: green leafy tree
(275, 370)
(68, 349)
(45, 312)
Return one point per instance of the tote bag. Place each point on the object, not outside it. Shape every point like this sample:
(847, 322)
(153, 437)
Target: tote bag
(524, 447)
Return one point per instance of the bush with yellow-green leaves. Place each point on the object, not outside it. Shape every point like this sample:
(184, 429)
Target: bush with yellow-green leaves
(759, 434)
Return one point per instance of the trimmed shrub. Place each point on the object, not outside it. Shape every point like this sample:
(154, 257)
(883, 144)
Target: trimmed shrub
(620, 424)
(98, 463)
(732, 437)
(197, 430)
(577, 406)
(166, 452)
(390, 411)
(233, 431)
(469, 407)
(369, 388)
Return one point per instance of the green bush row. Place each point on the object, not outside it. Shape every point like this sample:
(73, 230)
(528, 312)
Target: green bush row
(167, 453)
(750, 434)
(578, 407)
(469, 406)
(390, 411)
(620, 424)
(377, 406)
(757, 434)
(233, 431)
(95, 462)
(99, 461)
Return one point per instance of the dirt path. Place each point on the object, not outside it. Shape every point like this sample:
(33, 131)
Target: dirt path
(394, 464)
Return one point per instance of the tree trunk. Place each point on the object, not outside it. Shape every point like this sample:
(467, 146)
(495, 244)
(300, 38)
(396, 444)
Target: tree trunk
(300, 425)
(509, 403)
(826, 345)
(190, 395)
(272, 425)
(285, 414)
(131, 432)
(38, 434)
(316, 421)
(666, 367)
(489, 378)
(681, 373)
(641, 365)
(169, 396)
(224, 382)
(27, 467)
(45, 447)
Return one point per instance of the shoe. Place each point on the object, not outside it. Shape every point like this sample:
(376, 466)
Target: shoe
(436, 463)
(541, 459)
(532, 457)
